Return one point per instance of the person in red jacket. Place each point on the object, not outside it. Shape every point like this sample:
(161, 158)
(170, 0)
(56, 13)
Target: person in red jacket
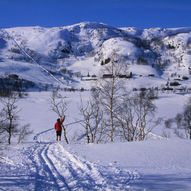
(58, 128)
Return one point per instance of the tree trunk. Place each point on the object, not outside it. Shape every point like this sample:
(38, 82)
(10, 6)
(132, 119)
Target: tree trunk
(9, 137)
(111, 104)
(9, 131)
(65, 137)
(88, 138)
(111, 120)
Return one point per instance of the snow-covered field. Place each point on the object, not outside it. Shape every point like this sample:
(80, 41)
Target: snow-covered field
(41, 163)
(73, 57)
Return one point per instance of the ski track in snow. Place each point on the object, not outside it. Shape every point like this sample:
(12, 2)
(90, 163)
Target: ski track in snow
(49, 166)
(57, 169)
(66, 171)
(44, 178)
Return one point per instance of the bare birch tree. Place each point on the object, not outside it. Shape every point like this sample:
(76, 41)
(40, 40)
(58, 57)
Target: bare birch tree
(110, 90)
(93, 118)
(24, 131)
(187, 120)
(183, 121)
(59, 106)
(9, 116)
(136, 116)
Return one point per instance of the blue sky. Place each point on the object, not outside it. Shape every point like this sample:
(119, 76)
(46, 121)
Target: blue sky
(118, 13)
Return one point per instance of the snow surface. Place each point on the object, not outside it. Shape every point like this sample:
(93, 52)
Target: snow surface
(41, 163)
(120, 47)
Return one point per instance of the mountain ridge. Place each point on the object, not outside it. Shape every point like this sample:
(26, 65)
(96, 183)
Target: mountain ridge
(72, 52)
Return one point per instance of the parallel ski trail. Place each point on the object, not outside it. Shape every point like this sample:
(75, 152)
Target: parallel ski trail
(80, 174)
(50, 167)
(44, 179)
(58, 169)
(59, 179)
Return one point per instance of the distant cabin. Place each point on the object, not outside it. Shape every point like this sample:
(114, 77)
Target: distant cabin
(89, 78)
(151, 75)
(119, 75)
(107, 76)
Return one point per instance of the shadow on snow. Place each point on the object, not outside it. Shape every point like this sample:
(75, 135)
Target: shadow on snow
(165, 182)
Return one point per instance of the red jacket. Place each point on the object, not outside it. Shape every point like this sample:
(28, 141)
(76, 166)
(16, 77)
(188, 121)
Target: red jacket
(58, 125)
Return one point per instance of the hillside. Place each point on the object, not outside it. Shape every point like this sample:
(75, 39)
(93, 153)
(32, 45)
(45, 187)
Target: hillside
(156, 57)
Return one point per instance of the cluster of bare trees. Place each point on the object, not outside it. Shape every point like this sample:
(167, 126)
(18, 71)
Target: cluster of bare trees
(136, 116)
(9, 119)
(113, 113)
(182, 122)
(129, 119)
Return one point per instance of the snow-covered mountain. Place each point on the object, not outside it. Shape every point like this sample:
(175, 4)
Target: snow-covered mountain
(156, 57)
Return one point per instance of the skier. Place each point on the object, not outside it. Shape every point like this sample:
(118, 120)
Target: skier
(58, 128)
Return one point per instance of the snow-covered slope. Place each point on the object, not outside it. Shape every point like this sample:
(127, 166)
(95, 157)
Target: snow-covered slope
(71, 53)
(152, 165)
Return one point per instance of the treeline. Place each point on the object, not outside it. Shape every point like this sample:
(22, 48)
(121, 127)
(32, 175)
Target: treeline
(14, 83)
